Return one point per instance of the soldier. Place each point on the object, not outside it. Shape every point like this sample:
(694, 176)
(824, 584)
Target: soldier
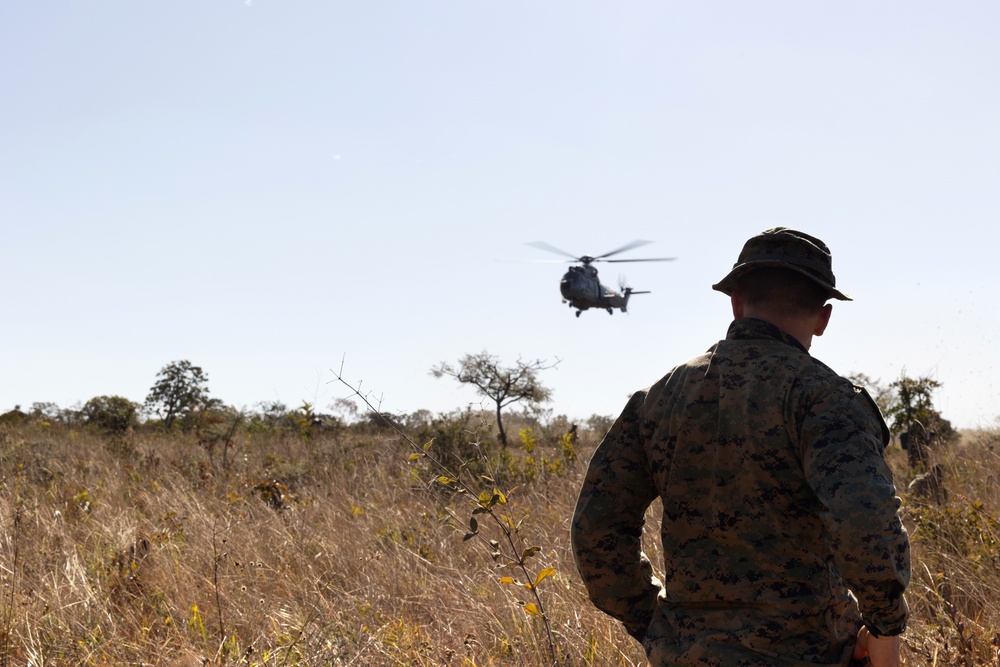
(781, 537)
(916, 441)
(929, 487)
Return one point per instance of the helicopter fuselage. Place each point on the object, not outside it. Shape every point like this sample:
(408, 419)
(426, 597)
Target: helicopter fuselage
(581, 289)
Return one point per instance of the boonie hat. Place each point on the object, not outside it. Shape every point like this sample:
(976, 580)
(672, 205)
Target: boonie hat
(789, 249)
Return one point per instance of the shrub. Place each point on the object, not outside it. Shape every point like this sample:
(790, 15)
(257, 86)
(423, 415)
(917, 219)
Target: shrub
(456, 442)
(112, 414)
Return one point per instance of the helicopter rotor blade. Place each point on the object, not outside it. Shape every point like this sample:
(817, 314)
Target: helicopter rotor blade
(536, 261)
(648, 259)
(542, 245)
(627, 246)
(587, 259)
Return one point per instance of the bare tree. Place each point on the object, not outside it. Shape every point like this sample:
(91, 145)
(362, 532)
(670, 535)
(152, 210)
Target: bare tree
(503, 385)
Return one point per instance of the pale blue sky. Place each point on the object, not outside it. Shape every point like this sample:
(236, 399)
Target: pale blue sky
(268, 188)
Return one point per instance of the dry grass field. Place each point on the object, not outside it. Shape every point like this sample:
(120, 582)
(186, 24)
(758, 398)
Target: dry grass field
(350, 546)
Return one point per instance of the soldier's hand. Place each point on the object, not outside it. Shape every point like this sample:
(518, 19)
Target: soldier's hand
(880, 651)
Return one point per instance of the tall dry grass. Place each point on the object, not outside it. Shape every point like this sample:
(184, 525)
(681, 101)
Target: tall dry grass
(145, 549)
(954, 594)
(148, 549)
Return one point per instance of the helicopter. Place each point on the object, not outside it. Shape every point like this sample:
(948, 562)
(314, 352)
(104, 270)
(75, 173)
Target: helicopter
(582, 289)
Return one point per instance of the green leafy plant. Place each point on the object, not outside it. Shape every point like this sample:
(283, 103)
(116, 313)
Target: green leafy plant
(967, 532)
(112, 414)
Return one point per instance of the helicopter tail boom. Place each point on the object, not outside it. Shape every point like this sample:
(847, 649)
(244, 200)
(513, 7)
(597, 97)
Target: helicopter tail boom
(627, 292)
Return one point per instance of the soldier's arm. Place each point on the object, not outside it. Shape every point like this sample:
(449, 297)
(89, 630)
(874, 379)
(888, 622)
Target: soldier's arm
(607, 525)
(844, 439)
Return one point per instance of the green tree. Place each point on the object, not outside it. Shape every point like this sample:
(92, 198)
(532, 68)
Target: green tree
(110, 413)
(272, 413)
(180, 389)
(912, 401)
(501, 384)
(600, 424)
(46, 411)
(13, 417)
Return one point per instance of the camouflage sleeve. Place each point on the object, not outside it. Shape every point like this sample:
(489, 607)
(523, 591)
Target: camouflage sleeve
(607, 525)
(844, 438)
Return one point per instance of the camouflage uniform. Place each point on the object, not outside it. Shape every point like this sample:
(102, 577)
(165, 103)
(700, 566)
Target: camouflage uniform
(915, 441)
(777, 502)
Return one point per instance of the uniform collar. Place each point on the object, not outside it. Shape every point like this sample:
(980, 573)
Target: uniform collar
(749, 328)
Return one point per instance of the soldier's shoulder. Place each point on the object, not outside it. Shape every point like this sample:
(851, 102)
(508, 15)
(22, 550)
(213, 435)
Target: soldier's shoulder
(821, 377)
(841, 396)
(682, 369)
(875, 414)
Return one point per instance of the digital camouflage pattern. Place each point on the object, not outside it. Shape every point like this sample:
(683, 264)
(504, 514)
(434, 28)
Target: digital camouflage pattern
(788, 249)
(780, 528)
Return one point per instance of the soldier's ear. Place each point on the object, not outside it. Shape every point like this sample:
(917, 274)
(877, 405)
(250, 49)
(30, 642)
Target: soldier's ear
(823, 320)
(739, 305)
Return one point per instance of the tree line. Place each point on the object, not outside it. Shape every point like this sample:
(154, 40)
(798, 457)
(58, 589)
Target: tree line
(180, 399)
